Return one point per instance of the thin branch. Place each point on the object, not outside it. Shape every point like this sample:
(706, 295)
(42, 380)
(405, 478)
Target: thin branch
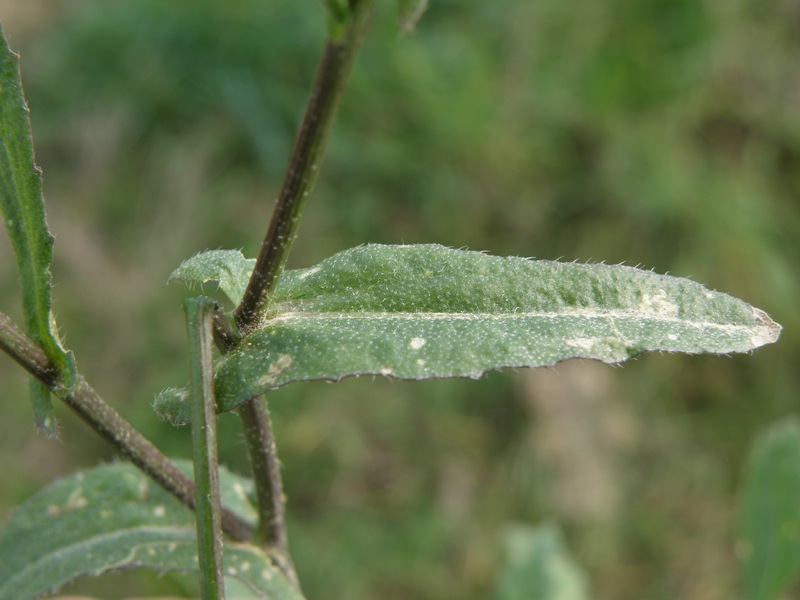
(111, 425)
(304, 163)
(267, 477)
(199, 315)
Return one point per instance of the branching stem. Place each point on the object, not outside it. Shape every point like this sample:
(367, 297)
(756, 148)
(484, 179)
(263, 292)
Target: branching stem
(323, 102)
(107, 422)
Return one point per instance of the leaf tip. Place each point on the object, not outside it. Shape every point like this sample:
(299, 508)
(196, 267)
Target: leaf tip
(766, 331)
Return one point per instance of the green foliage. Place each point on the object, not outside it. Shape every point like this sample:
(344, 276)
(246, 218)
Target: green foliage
(112, 518)
(228, 268)
(771, 513)
(647, 131)
(22, 206)
(425, 312)
(536, 565)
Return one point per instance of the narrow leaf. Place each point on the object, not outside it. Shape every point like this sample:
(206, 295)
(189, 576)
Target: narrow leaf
(423, 312)
(771, 513)
(113, 518)
(537, 565)
(228, 268)
(23, 211)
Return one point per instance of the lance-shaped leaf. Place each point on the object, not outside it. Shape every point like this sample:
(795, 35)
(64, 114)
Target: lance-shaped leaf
(23, 211)
(112, 518)
(771, 513)
(423, 312)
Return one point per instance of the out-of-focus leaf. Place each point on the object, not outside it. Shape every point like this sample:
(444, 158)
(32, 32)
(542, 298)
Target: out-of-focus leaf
(228, 268)
(771, 513)
(424, 312)
(114, 517)
(22, 205)
(411, 12)
(536, 565)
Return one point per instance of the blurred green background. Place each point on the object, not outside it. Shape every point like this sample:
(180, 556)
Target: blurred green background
(664, 133)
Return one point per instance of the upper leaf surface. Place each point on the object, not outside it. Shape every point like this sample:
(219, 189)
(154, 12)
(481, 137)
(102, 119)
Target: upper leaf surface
(23, 209)
(422, 312)
(114, 517)
(228, 268)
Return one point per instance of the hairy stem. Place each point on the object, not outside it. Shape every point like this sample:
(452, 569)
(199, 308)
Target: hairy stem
(107, 422)
(199, 316)
(267, 477)
(326, 93)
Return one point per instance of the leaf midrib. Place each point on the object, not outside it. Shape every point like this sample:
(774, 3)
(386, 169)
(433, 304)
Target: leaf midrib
(182, 533)
(490, 316)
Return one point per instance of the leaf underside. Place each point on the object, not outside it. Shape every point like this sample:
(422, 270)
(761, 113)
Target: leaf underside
(111, 518)
(424, 312)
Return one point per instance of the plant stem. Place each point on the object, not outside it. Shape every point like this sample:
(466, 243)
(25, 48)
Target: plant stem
(107, 422)
(264, 463)
(326, 93)
(267, 477)
(199, 315)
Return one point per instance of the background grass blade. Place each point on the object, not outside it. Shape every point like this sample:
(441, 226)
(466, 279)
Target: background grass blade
(771, 513)
(537, 565)
(23, 211)
(113, 518)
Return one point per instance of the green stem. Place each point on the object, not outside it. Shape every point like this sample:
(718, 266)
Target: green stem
(304, 163)
(199, 316)
(110, 425)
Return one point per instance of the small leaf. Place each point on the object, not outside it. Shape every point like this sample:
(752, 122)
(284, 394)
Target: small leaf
(173, 405)
(43, 412)
(112, 518)
(771, 513)
(536, 565)
(228, 268)
(22, 205)
(423, 312)
(411, 12)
